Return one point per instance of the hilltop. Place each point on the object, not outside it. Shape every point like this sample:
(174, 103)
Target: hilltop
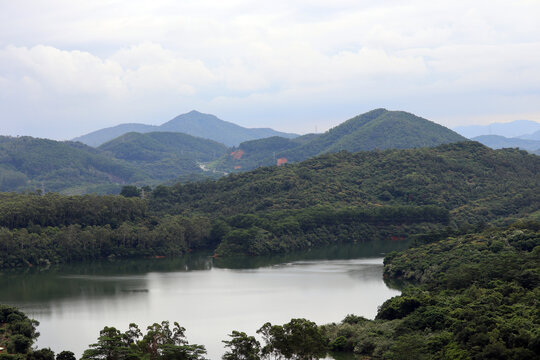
(378, 129)
(192, 123)
(164, 155)
(28, 163)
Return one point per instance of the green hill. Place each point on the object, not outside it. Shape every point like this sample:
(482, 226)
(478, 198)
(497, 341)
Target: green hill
(427, 193)
(343, 196)
(463, 177)
(157, 146)
(164, 156)
(255, 153)
(28, 163)
(378, 129)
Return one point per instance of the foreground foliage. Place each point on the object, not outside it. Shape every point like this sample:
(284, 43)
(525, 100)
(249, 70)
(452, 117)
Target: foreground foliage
(160, 342)
(474, 296)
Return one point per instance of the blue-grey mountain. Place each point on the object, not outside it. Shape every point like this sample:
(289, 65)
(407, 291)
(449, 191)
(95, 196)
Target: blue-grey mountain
(516, 128)
(193, 123)
(499, 142)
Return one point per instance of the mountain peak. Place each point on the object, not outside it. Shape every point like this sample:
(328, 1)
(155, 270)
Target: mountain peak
(193, 123)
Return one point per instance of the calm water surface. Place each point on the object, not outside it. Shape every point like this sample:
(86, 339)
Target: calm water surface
(209, 297)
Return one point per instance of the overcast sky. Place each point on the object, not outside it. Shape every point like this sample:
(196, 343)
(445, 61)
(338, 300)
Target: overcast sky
(68, 67)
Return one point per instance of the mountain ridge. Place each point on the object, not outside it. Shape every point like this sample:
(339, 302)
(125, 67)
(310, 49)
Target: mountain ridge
(516, 128)
(499, 142)
(377, 129)
(193, 123)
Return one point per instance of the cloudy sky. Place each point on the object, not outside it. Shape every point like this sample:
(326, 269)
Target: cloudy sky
(68, 67)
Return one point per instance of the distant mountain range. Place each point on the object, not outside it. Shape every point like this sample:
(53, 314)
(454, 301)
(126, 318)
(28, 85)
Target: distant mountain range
(518, 128)
(523, 134)
(534, 136)
(192, 123)
(28, 163)
(157, 157)
(377, 129)
(499, 142)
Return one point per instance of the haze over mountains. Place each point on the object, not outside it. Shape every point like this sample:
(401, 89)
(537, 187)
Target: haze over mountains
(523, 134)
(512, 129)
(192, 123)
(499, 142)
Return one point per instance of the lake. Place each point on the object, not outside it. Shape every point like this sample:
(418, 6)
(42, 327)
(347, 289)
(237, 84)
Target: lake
(209, 297)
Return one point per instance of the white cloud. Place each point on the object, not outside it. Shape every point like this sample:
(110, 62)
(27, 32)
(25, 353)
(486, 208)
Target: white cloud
(295, 59)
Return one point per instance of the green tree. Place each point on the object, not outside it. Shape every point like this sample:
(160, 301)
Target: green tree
(299, 339)
(242, 347)
(65, 355)
(130, 191)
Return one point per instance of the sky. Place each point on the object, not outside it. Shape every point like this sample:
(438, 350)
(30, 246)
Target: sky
(68, 67)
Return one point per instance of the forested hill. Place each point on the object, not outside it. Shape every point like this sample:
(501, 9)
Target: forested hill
(192, 123)
(159, 146)
(378, 129)
(28, 163)
(338, 197)
(467, 178)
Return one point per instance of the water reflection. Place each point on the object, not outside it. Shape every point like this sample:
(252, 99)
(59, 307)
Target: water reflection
(209, 297)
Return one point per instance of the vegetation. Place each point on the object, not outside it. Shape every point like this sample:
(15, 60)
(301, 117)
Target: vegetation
(255, 153)
(28, 163)
(378, 129)
(298, 339)
(162, 153)
(427, 193)
(473, 296)
(17, 335)
(286, 231)
(474, 183)
(160, 342)
(160, 146)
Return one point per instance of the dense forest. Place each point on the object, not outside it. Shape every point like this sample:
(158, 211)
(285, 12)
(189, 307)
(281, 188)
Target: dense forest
(29, 164)
(377, 129)
(422, 193)
(473, 296)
